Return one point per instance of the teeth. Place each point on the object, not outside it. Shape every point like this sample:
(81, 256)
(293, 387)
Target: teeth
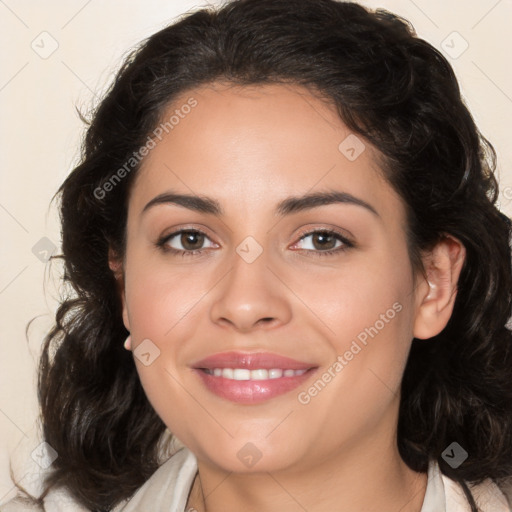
(259, 374)
(240, 374)
(227, 373)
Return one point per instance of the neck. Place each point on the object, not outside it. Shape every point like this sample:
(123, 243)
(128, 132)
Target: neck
(346, 482)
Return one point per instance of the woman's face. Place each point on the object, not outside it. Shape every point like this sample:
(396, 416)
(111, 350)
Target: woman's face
(325, 282)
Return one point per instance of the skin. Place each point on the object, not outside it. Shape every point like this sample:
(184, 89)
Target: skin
(249, 148)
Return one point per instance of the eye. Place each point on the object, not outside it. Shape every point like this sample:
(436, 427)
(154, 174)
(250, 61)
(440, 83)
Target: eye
(324, 242)
(185, 242)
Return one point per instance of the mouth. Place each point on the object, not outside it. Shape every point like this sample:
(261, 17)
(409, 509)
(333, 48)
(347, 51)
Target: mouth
(250, 378)
(258, 374)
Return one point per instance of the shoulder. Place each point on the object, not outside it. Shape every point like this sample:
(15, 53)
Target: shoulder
(446, 495)
(489, 496)
(169, 484)
(168, 488)
(58, 500)
(21, 504)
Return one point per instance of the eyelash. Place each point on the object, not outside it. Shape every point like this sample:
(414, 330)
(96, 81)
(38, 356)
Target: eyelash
(161, 243)
(347, 244)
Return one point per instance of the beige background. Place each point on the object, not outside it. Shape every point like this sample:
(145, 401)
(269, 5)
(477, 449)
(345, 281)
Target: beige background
(40, 133)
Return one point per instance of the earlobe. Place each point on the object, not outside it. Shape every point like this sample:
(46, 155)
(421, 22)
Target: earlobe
(437, 292)
(116, 266)
(126, 320)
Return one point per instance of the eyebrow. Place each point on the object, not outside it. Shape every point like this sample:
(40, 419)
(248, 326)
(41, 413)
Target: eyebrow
(293, 204)
(314, 200)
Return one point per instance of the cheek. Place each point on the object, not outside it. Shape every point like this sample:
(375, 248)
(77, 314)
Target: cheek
(160, 304)
(370, 315)
(158, 298)
(164, 307)
(370, 339)
(366, 298)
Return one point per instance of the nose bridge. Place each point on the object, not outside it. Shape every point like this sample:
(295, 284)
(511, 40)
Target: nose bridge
(250, 293)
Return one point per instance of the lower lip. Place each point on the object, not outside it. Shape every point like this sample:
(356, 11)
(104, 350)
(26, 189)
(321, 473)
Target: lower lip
(251, 391)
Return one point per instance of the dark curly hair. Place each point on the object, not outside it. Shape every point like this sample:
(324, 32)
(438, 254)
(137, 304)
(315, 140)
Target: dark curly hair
(393, 89)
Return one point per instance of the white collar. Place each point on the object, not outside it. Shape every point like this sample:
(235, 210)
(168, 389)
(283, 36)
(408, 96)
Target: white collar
(167, 490)
(434, 500)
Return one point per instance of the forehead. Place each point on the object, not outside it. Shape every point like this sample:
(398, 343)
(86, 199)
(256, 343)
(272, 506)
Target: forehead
(250, 145)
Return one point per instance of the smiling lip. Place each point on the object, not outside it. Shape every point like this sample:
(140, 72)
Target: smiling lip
(251, 361)
(251, 391)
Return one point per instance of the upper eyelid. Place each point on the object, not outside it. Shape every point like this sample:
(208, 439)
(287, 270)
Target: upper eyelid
(175, 231)
(343, 233)
(345, 241)
(165, 239)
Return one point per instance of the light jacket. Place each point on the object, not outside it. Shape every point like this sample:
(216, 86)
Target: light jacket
(168, 488)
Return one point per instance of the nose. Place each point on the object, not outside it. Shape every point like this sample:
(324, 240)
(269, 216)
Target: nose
(251, 296)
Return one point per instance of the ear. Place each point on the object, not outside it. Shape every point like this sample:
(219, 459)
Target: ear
(436, 293)
(116, 265)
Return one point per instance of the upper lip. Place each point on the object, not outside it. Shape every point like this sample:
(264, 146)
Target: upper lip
(251, 361)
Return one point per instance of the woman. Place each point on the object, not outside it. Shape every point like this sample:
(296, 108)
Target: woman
(286, 215)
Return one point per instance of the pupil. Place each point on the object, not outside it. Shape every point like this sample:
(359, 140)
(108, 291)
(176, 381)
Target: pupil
(323, 237)
(191, 237)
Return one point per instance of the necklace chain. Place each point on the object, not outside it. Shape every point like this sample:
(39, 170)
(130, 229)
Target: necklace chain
(191, 507)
